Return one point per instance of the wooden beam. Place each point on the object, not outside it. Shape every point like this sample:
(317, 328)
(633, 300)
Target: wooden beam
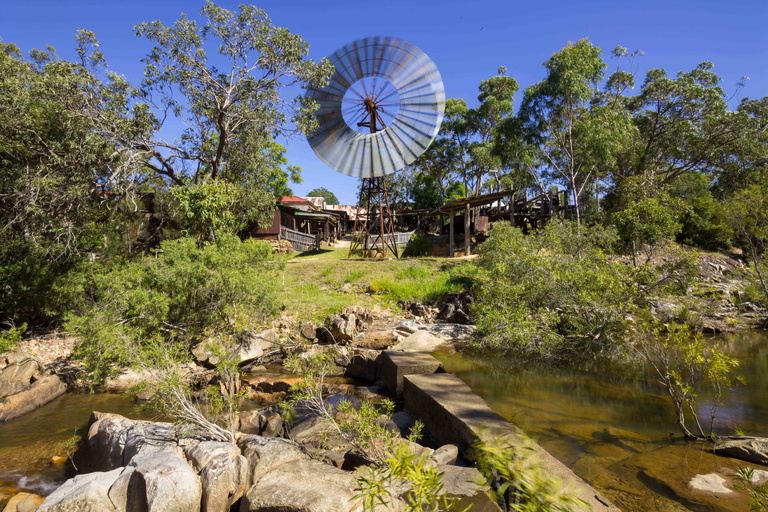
(450, 238)
(467, 234)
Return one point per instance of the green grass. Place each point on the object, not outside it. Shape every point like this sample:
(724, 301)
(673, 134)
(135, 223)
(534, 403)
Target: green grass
(313, 281)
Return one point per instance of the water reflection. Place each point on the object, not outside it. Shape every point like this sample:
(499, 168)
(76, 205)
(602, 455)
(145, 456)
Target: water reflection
(600, 419)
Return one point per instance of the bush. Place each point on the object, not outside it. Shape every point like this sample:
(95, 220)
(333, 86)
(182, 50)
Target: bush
(704, 225)
(553, 293)
(418, 246)
(179, 297)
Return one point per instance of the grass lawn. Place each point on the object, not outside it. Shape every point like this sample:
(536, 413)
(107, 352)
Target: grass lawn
(312, 281)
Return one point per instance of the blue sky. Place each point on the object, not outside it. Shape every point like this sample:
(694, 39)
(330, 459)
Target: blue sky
(467, 40)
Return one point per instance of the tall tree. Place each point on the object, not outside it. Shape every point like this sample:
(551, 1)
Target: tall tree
(232, 104)
(472, 130)
(570, 135)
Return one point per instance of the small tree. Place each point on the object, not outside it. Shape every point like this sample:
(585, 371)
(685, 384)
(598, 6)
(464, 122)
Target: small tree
(683, 362)
(642, 225)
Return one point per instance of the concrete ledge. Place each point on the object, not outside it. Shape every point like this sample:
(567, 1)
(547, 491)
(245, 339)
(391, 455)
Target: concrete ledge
(395, 365)
(455, 414)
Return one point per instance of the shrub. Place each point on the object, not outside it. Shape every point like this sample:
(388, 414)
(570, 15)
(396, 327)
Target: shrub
(182, 296)
(645, 223)
(418, 246)
(553, 293)
(35, 288)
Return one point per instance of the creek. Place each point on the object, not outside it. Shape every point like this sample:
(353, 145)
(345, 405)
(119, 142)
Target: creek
(615, 428)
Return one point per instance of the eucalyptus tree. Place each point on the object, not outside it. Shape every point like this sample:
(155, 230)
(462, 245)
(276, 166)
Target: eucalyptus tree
(233, 102)
(564, 128)
(471, 130)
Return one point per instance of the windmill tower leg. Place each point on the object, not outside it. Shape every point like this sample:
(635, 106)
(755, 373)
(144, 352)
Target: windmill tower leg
(374, 231)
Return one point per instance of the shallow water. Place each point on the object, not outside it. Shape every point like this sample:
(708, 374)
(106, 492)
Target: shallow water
(603, 421)
(27, 444)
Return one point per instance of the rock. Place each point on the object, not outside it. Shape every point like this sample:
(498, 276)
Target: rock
(354, 459)
(446, 454)
(224, 479)
(364, 365)
(163, 481)
(199, 454)
(404, 421)
(408, 327)
(302, 486)
(458, 481)
(40, 393)
(420, 341)
(265, 423)
(378, 340)
(452, 332)
(265, 454)
(310, 427)
(308, 330)
(23, 502)
(58, 461)
(751, 450)
(266, 339)
(249, 350)
(203, 354)
(147, 436)
(460, 317)
(90, 491)
(710, 483)
(249, 422)
(126, 379)
(19, 376)
(271, 424)
(446, 312)
(106, 442)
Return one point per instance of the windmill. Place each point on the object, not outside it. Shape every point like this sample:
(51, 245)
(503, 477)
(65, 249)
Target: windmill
(380, 111)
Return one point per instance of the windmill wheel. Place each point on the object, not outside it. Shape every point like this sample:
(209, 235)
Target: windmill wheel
(381, 109)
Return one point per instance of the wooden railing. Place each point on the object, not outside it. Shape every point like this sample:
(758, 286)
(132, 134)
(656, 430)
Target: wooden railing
(401, 239)
(300, 241)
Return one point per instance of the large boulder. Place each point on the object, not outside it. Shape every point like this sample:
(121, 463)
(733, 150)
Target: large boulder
(420, 341)
(92, 491)
(18, 376)
(224, 480)
(752, 450)
(143, 436)
(40, 393)
(302, 486)
(223, 472)
(264, 454)
(106, 442)
(163, 481)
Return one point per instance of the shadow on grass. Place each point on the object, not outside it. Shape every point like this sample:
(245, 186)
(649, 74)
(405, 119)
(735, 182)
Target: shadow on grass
(306, 254)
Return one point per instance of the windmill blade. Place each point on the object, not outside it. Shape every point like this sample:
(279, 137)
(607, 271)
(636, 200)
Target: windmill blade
(407, 85)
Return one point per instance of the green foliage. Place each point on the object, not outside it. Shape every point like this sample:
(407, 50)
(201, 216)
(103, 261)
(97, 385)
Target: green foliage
(704, 225)
(553, 294)
(184, 295)
(377, 485)
(10, 338)
(748, 216)
(330, 197)
(37, 289)
(683, 362)
(418, 246)
(758, 493)
(645, 223)
(520, 479)
(421, 285)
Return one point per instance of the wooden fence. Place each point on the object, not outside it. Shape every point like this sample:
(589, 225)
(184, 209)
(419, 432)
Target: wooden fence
(300, 241)
(401, 239)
